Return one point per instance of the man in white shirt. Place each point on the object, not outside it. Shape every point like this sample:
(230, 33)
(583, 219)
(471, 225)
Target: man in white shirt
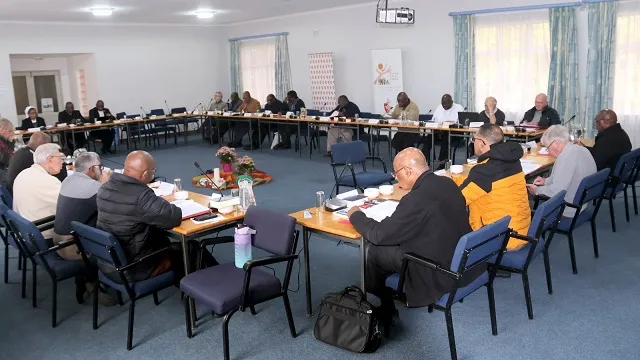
(446, 111)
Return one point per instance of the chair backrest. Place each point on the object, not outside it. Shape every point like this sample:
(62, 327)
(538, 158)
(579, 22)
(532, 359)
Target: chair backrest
(591, 187)
(156, 112)
(545, 218)
(274, 231)
(27, 232)
(99, 244)
(425, 117)
(625, 166)
(365, 115)
(179, 110)
(121, 115)
(5, 196)
(313, 112)
(480, 246)
(132, 116)
(350, 152)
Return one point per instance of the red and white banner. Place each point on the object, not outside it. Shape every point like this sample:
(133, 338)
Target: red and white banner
(323, 86)
(386, 66)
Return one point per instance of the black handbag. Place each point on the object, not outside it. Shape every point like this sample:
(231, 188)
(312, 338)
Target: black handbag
(348, 321)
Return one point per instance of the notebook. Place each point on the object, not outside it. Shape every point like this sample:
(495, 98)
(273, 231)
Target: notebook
(191, 208)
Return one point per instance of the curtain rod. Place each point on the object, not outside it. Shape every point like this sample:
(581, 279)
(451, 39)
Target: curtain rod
(515, 8)
(259, 36)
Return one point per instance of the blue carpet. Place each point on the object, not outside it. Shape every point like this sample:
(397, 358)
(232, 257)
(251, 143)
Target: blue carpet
(591, 315)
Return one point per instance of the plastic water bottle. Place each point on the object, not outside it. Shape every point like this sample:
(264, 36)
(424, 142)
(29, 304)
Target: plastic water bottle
(245, 186)
(242, 243)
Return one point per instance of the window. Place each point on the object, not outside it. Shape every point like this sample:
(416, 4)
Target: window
(258, 67)
(626, 91)
(512, 60)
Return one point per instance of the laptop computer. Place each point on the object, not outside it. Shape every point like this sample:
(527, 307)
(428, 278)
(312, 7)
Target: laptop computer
(471, 116)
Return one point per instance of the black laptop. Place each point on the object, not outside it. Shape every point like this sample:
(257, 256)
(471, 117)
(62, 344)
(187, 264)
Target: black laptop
(471, 116)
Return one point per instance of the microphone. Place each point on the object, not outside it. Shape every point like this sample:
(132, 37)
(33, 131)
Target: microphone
(570, 120)
(209, 104)
(168, 108)
(144, 113)
(465, 109)
(429, 112)
(195, 107)
(195, 163)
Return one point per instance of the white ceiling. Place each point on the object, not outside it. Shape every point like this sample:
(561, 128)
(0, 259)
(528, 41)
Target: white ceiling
(174, 12)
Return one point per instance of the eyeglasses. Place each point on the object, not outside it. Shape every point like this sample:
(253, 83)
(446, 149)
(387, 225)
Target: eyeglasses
(395, 172)
(100, 166)
(60, 156)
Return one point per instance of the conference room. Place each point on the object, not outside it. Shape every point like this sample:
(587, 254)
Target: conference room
(312, 179)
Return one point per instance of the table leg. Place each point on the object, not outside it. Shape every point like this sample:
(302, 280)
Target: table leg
(448, 145)
(310, 139)
(186, 129)
(363, 264)
(300, 141)
(185, 259)
(433, 148)
(307, 269)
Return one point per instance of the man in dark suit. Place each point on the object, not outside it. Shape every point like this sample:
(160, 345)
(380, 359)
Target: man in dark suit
(428, 221)
(542, 114)
(106, 136)
(347, 109)
(612, 141)
(72, 116)
(295, 104)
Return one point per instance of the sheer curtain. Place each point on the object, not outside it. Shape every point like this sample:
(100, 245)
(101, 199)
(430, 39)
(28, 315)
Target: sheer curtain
(258, 67)
(626, 93)
(512, 60)
(283, 67)
(234, 61)
(465, 73)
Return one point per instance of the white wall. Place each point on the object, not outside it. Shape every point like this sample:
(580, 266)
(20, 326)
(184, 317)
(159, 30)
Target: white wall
(428, 48)
(134, 66)
(87, 63)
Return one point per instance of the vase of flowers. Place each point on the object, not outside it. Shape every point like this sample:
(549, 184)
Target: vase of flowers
(245, 166)
(227, 156)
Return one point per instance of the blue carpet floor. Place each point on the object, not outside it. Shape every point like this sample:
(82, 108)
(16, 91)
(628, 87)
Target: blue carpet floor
(592, 315)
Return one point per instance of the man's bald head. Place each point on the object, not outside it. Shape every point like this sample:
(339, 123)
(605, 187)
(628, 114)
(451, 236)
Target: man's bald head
(541, 102)
(408, 165)
(38, 138)
(141, 166)
(605, 119)
(403, 99)
(446, 101)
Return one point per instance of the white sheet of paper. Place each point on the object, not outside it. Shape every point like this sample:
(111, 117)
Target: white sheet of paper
(334, 114)
(475, 124)
(347, 194)
(163, 189)
(381, 211)
(189, 207)
(531, 144)
(529, 167)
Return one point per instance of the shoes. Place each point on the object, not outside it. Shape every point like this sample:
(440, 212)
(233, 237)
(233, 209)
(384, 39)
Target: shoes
(282, 146)
(252, 147)
(234, 145)
(328, 154)
(104, 298)
(388, 320)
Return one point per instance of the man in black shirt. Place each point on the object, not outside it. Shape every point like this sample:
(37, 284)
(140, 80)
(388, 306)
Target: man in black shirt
(224, 125)
(347, 109)
(72, 116)
(542, 114)
(295, 104)
(23, 159)
(612, 141)
(106, 136)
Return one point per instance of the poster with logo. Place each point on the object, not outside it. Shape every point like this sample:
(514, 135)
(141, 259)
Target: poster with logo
(386, 79)
(323, 86)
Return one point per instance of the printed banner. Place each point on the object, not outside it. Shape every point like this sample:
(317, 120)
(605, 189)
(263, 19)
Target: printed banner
(323, 86)
(387, 79)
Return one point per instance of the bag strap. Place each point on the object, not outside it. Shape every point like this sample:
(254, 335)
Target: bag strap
(355, 291)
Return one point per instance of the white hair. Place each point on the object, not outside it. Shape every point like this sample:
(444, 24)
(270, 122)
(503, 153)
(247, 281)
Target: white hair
(44, 151)
(557, 133)
(6, 124)
(85, 161)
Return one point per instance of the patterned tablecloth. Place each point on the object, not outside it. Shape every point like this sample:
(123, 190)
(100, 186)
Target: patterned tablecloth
(201, 181)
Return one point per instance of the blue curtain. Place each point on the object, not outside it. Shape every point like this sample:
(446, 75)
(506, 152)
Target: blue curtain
(600, 59)
(283, 67)
(464, 91)
(563, 69)
(236, 73)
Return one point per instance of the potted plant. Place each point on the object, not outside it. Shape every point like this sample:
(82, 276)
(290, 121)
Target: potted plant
(245, 166)
(227, 156)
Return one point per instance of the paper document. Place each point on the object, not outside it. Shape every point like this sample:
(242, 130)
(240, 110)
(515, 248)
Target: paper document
(190, 208)
(528, 167)
(162, 188)
(381, 211)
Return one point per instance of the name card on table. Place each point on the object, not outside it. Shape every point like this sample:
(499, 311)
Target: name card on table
(248, 114)
(374, 121)
(33, 130)
(227, 113)
(211, 112)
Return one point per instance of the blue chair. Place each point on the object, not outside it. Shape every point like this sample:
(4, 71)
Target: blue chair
(104, 247)
(225, 289)
(345, 155)
(475, 250)
(9, 240)
(137, 130)
(184, 121)
(636, 152)
(313, 112)
(163, 127)
(619, 180)
(6, 196)
(591, 189)
(36, 248)
(425, 117)
(543, 224)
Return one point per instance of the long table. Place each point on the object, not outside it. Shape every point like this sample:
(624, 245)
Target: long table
(332, 225)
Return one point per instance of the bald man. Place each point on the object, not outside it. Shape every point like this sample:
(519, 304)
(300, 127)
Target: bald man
(72, 116)
(541, 114)
(611, 142)
(129, 209)
(23, 159)
(428, 221)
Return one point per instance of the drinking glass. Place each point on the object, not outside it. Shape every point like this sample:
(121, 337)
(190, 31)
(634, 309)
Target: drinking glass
(235, 192)
(319, 200)
(447, 167)
(177, 185)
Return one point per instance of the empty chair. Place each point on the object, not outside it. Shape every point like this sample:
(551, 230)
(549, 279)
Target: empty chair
(162, 127)
(347, 154)
(104, 247)
(473, 252)
(619, 180)
(184, 121)
(9, 241)
(225, 289)
(545, 219)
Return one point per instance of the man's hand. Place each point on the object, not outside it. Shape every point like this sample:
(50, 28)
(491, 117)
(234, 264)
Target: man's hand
(539, 181)
(532, 189)
(352, 211)
(578, 142)
(106, 174)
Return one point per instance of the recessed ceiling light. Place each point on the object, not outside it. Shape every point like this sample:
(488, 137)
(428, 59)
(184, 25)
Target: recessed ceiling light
(205, 14)
(101, 11)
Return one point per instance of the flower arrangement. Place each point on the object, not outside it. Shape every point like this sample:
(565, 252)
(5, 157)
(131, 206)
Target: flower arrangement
(245, 165)
(226, 155)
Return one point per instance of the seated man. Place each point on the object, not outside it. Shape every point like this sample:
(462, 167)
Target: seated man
(23, 159)
(106, 136)
(541, 114)
(447, 111)
(224, 125)
(216, 105)
(573, 163)
(404, 138)
(72, 116)
(285, 130)
(249, 105)
(496, 186)
(611, 142)
(347, 109)
(490, 115)
(131, 211)
(428, 221)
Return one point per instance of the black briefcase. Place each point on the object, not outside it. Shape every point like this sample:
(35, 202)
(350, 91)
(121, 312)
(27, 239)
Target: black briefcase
(348, 321)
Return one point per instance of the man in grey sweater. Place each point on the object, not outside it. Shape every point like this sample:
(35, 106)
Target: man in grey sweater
(573, 163)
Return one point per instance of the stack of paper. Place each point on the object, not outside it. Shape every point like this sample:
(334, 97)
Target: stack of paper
(528, 166)
(162, 188)
(190, 208)
(381, 211)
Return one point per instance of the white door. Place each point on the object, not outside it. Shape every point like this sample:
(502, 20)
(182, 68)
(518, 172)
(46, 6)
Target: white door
(40, 89)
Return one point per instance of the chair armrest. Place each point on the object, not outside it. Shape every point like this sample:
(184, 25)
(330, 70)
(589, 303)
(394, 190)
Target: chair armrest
(216, 241)
(384, 166)
(44, 227)
(528, 239)
(267, 261)
(538, 199)
(574, 206)
(56, 247)
(144, 258)
(44, 220)
(430, 264)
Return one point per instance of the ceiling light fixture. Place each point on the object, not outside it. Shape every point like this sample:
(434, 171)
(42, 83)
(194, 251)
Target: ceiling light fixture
(205, 14)
(101, 11)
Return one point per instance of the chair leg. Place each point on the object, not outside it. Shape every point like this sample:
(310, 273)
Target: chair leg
(24, 276)
(287, 308)
(430, 309)
(34, 284)
(54, 305)
(452, 339)
(252, 309)
(594, 237)
(6, 264)
(572, 252)
(187, 317)
(132, 309)
(635, 199)
(547, 270)
(527, 294)
(95, 307)
(155, 299)
(20, 261)
(492, 309)
(225, 333)
(119, 295)
(613, 215)
(626, 204)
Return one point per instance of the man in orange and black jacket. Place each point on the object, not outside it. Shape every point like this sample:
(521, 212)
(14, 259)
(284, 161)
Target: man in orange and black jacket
(496, 186)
